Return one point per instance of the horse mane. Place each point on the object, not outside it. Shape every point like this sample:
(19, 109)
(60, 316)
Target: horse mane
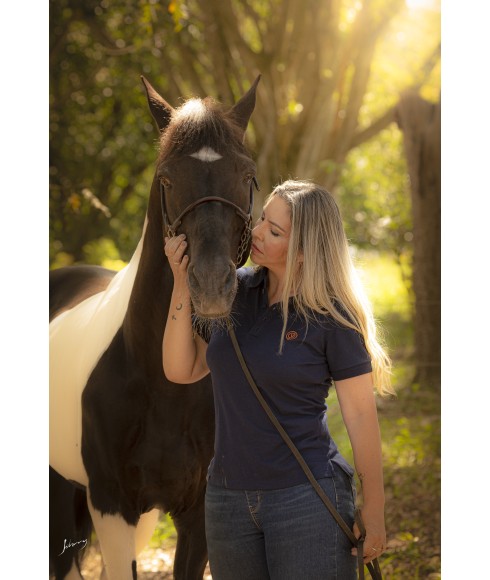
(198, 123)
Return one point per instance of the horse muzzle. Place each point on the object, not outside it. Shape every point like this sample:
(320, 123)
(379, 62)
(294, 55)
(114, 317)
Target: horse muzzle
(212, 289)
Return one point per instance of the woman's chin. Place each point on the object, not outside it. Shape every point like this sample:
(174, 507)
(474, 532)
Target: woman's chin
(255, 258)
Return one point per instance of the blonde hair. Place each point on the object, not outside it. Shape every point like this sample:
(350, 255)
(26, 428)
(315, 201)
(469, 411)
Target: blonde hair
(320, 274)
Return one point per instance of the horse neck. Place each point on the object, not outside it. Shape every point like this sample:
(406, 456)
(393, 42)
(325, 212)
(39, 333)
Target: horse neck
(146, 316)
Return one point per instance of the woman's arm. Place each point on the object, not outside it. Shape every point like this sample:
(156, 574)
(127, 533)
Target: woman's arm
(358, 408)
(183, 352)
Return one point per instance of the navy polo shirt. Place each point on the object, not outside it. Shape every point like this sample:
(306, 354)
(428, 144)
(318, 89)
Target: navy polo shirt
(249, 452)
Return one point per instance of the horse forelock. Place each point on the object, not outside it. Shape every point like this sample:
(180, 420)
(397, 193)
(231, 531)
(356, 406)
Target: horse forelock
(201, 123)
(193, 110)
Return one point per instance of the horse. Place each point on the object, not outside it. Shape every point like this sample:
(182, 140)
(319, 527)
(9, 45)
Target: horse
(125, 442)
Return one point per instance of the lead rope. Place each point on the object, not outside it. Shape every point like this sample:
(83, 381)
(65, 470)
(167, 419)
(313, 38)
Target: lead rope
(372, 566)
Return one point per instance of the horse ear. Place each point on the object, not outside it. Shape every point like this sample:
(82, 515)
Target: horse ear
(159, 108)
(243, 109)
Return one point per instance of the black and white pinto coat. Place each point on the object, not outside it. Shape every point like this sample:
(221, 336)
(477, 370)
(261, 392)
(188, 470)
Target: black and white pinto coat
(130, 441)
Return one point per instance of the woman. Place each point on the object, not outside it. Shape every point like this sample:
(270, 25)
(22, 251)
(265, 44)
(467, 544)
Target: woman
(302, 321)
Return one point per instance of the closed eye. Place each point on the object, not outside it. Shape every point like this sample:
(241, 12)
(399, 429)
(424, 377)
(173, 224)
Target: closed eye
(274, 233)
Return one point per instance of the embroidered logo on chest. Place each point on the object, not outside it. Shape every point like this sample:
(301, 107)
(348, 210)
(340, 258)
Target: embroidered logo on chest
(291, 335)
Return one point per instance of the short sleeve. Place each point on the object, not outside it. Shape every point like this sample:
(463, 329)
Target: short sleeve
(347, 356)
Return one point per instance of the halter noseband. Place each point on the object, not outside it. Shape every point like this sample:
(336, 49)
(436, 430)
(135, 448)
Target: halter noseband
(245, 239)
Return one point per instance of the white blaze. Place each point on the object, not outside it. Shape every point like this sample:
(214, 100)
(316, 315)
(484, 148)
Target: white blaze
(206, 154)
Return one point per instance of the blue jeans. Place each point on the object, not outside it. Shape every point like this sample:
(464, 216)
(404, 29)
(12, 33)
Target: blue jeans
(282, 534)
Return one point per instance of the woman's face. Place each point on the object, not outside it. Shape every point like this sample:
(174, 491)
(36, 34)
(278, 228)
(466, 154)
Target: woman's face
(270, 237)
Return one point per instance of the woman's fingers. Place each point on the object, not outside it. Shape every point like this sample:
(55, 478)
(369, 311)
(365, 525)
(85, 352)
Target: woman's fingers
(179, 251)
(373, 546)
(175, 248)
(370, 551)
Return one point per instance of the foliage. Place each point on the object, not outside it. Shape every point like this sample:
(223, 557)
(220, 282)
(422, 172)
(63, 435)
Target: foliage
(331, 74)
(388, 288)
(385, 284)
(410, 430)
(374, 187)
(374, 193)
(102, 140)
(165, 531)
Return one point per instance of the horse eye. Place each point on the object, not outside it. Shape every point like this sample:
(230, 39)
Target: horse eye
(165, 182)
(248, 178)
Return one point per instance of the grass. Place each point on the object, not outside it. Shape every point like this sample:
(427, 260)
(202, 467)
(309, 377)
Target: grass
(410, 429)
(164, 533)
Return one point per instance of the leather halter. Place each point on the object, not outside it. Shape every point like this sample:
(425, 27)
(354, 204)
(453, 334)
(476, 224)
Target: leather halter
(170, 229)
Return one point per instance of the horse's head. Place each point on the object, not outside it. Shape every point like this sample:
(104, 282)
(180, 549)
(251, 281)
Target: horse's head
(205, 180)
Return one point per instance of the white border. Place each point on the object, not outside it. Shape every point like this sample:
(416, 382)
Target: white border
(24, 285)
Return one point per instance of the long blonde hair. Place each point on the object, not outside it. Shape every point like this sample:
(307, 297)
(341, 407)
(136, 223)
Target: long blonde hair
(320, 274)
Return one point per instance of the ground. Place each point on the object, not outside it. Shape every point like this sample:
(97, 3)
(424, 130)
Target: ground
(156, 563)
(153, 563)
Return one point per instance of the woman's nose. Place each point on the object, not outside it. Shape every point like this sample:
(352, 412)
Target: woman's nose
(257, 230)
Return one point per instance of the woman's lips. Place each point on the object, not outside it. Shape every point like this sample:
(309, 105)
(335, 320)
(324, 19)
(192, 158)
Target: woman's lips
(255, 249)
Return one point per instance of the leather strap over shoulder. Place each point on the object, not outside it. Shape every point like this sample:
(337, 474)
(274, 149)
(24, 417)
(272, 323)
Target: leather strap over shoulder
(372, 566)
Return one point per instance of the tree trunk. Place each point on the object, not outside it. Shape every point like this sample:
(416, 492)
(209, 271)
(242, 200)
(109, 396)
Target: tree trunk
(420, 122)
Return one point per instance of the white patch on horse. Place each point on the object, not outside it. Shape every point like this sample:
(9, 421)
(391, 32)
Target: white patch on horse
(77, 339)
(194, 109)
(117, 543)
(206, 154)
(145, 528)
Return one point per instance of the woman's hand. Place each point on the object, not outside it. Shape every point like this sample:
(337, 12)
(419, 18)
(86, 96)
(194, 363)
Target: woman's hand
(175, 248)
(358, 408)
(183, 352)
(375, 541)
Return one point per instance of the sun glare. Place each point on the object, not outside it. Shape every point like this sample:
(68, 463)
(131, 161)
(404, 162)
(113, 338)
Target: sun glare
(426, 4)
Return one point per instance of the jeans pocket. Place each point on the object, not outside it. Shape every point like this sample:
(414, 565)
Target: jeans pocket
(345, 478)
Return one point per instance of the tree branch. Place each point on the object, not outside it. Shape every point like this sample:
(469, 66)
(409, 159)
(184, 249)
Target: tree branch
(390, 115)
(373, 129)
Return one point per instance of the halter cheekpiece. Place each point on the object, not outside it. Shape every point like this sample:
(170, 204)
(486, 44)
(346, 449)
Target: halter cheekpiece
(246, 237)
